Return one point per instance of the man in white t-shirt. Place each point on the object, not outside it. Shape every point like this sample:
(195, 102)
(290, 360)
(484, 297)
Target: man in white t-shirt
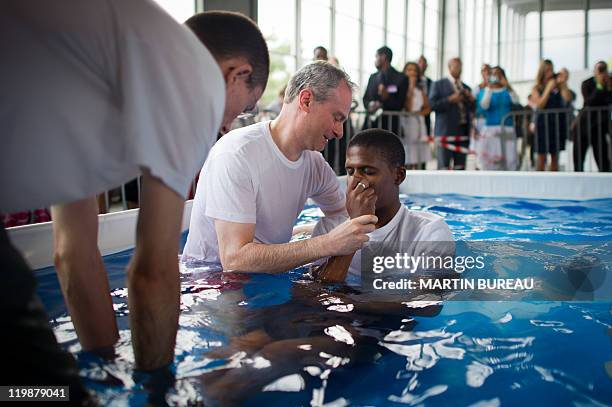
(257, 179)
(95, 94)
(375, 169)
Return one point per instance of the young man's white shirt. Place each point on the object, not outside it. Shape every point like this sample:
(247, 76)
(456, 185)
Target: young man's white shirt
(247, 179)
(406, 227)
(95, 91)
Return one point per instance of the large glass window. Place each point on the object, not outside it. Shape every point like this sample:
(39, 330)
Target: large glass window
(395, 31)
(600, 36)
(432, 16)
(531, 50)
(181, 10)
(314, 10)
(563, 30)
(279, 33)
(415, 29)
(347, 42)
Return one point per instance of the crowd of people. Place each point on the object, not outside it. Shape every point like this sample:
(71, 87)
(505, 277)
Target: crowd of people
(469, 120)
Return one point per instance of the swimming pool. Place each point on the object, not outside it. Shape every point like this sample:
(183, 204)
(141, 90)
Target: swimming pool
(326, 347)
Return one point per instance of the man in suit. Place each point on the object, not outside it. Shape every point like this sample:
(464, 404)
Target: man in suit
(425, 83)
(387, 90)
(453, 102)
(596, 92)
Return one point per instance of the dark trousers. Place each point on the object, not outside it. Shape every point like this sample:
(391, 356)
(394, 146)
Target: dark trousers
(600, 150)
(445, 155)
(29, 351)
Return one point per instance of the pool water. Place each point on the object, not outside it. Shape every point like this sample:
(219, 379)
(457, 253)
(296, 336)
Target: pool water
(285, 340)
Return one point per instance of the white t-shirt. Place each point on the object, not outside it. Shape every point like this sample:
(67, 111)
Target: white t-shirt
(406, 227)
(247, 179)
(94, 91)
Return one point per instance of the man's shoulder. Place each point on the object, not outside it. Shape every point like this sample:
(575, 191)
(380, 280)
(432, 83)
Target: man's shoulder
(423, 221)
(242, 140)
(589, 81)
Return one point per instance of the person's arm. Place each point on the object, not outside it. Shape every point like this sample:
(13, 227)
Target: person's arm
(440, 102)
(409, 94)
(81, 274)
(153, 275)
(238, 251)
(367, 96)
(566, 93)
(426, 109)
(485, 102)
(360, 201)
(542, 100)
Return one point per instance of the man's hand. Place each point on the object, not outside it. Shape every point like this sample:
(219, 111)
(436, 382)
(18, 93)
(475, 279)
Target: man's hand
(456, 97)
(360, 198)
(602, 78)
(373, 106)
(382, 92)
(349, 236)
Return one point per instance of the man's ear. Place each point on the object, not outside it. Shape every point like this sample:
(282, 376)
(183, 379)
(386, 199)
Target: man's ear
(400, 174)
(235, 69)
(305, 99)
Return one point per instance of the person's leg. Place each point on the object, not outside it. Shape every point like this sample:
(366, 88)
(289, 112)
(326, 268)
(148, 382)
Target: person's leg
(541, 162)
(460, 158)
(82, 276)
(601, 152)
(29, 349)
(554, 162)
(578, 153)
(444, 157)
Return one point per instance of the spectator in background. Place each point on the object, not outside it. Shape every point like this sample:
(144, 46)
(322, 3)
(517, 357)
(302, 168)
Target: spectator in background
(453, 102)
(386, 90)
(479, 122)
(319, 53)
(414, 130)
(594, 125)
(563, 76)
(274, 107)
(485, 73)
(496, 150)
(550, 92)
(425, 83)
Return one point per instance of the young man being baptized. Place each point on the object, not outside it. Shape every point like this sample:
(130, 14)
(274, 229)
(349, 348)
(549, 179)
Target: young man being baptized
(375, 168)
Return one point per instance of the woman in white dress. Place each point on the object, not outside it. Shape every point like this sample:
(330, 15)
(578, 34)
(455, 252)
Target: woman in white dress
(414, 132)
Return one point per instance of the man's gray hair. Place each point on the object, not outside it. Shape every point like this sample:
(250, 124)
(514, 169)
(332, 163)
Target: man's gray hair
(320, 77)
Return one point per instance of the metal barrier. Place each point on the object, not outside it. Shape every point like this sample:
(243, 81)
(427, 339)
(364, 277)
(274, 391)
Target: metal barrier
(547, 131)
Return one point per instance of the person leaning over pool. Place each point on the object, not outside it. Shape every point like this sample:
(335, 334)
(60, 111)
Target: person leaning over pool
(375, 169)
(125, 90)
(257, 179)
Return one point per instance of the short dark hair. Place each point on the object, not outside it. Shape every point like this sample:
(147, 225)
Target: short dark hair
(321, 47)
(385, 51)
(229, 35)
(384, 142)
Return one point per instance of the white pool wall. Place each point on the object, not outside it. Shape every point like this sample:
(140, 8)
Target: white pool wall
(117, 230)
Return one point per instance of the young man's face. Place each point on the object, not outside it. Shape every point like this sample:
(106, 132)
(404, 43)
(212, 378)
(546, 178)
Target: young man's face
(370, 167)
(325, 119)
